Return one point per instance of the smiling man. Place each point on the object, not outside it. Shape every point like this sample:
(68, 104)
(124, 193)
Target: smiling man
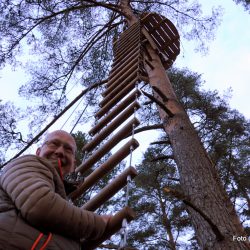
(59, 145)
(34, 212)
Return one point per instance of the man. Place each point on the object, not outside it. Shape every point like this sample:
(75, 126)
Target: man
(34, 212)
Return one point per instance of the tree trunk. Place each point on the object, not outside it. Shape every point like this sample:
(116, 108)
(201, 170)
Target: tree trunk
(198, 177)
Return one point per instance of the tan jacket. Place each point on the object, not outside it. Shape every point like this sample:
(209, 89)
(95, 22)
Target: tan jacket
(33, 200)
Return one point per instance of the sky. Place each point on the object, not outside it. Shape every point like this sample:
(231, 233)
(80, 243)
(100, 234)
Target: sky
(225, 66)
(227, 63)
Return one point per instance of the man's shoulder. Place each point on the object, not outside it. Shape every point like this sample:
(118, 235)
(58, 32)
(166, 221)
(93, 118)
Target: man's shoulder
(29, 161)
(29, 158)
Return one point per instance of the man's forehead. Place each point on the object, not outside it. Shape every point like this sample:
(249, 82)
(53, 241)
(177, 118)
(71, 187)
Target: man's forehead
(62, 136)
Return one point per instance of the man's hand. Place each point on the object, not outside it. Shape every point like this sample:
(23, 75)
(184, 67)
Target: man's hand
(106, 219)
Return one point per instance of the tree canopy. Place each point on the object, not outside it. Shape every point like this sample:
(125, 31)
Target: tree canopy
(245, 3)
(64, 44)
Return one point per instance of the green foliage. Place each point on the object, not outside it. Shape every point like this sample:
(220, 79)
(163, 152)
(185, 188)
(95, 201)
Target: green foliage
(10, 136)
(80, 139)
(245, 3)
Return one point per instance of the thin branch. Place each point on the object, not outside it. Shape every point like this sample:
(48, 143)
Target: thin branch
(163, 157)
(176, 10)
(160, 104)
(186, 201)
(161, 142)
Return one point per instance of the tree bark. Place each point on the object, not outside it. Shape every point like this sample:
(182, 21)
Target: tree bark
(198, 177)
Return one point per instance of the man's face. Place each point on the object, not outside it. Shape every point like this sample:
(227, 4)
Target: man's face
(59, 145)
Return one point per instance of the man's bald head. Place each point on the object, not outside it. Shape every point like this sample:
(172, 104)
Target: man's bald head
(59, 144)
(62, 134)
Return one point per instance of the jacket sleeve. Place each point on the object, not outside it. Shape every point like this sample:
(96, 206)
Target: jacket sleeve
(30, 185)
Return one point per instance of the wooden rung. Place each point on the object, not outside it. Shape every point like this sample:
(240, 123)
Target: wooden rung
(107, 166)
(109, 190)
(116, 99)
(125, 35)
(119, 64)
(116, 89)
(111, 127)
(114, 225)
(127, 32)
(123, 78)
(127, 47)
(124, 52)
(119, 59)
(121, 106)
(130, 42)
(119, 76)
(98, 154)
(121, 43)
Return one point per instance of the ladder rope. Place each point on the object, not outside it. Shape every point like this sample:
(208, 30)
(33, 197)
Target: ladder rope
(71, 114)
(124, 229)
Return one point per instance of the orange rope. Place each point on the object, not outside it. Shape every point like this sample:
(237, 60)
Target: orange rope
(46, 242)
(60, 168)
(37, 241)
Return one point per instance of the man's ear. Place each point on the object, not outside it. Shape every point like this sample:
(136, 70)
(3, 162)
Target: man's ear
(38, 151)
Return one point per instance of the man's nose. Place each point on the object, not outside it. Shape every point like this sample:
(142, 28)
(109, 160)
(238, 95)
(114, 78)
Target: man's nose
(59, 151)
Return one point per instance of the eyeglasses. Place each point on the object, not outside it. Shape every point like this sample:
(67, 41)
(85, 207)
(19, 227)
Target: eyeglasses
(55, 144)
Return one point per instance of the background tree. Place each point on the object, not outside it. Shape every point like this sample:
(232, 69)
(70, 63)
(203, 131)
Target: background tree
(245, 3)
(162, 222)
(10, 136)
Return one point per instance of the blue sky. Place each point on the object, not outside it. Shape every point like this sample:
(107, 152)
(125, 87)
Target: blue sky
(227, 63)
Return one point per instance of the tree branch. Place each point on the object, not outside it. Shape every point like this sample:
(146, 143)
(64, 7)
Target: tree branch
(161, 142)
(160, 104)
(186, 201)
(163, 157)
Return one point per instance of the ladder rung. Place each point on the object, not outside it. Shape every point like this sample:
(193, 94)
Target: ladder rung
(110, 189)
(98, 154)
(102, 170)
(111, 127)
(116, 99)
(131, 75)
(112, 82)
(121, 106)
(116, 67)
(122, 43)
